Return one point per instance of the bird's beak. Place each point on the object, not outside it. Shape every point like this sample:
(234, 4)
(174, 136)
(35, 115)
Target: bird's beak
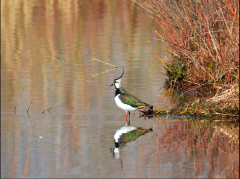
(111, 84)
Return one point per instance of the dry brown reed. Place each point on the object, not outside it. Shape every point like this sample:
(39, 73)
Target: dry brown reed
(203, 44)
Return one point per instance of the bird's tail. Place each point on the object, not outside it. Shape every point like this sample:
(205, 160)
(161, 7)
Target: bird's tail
(150, 107)
(149, 110)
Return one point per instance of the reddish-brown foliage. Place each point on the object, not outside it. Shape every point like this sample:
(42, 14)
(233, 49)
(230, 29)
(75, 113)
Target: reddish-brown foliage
(203, 43)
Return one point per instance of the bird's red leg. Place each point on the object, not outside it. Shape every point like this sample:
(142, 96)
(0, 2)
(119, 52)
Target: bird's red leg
(126, 118)
(129, 117)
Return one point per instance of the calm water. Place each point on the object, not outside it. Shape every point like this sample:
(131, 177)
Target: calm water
(46, 48)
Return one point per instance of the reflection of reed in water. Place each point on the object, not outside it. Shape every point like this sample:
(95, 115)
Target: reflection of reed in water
(126, 134)
(203, 146)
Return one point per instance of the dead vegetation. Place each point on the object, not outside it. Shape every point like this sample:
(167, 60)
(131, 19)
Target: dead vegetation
(203, 45)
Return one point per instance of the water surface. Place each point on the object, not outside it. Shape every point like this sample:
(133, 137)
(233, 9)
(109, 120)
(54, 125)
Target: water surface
(46, 48)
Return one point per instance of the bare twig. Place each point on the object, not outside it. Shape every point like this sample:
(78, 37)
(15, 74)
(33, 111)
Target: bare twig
(56, 60)
(28, 110)
(28, 113)
(18, 99)
(164, 63)
(53, 106)
(29, 106)
(161, 73)
(93, 75)
(181, 47)
(103, 62)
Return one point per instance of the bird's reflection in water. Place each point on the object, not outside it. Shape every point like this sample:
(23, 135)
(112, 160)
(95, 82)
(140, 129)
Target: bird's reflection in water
(124, 135)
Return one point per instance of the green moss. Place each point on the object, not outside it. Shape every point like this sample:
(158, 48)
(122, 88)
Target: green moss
(178, 70)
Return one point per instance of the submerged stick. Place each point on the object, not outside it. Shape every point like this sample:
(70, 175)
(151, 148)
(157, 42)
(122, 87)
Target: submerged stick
(56, 60)
(52, 106)
(18, 99)
(28, 113)
(44, 112)
(93, 75)
(103, 62)
(29, 106)
(102, 72)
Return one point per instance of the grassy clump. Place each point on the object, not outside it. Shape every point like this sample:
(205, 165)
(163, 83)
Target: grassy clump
(203, 45)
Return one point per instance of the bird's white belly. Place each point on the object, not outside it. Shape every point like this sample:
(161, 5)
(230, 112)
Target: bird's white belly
(122, 130)
(123, 106)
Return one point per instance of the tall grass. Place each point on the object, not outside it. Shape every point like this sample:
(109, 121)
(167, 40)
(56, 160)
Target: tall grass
(203, 43)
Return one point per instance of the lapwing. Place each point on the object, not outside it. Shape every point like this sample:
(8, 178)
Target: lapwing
(126, 101)
(124, 135)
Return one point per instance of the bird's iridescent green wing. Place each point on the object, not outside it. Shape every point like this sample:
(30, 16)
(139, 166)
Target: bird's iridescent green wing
(123, 90)
(132, 135)
(132, 100)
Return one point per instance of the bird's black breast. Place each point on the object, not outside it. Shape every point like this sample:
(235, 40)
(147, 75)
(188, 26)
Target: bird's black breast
(117, 91)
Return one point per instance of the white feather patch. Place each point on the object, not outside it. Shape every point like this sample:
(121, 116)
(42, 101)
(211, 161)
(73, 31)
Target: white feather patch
(122, 130)
(123, 106)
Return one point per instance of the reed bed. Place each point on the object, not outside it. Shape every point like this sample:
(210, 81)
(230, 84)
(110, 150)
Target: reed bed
(202, 38)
